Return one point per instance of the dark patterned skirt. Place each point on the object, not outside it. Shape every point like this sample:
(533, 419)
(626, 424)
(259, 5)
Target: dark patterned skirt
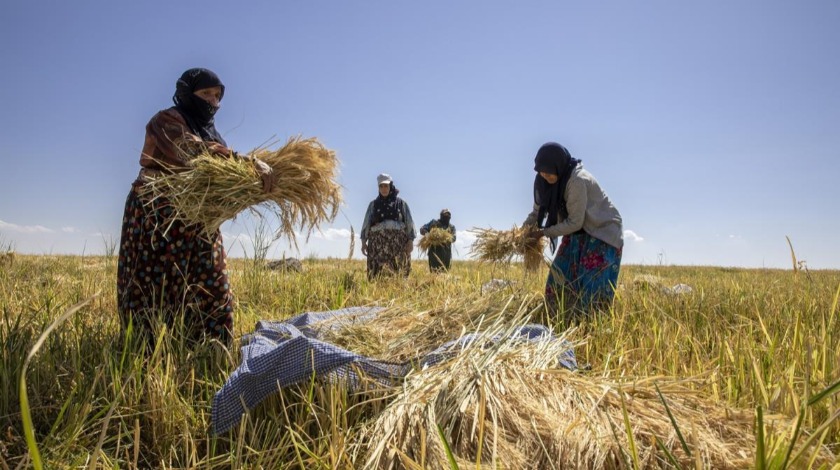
(165, 270)
(583, 275)
(386, 253)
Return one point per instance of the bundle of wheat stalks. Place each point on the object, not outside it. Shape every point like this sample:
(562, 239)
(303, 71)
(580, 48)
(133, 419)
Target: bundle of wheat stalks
(435, 237)
(502, 245)
(507, 404)
(215, 189)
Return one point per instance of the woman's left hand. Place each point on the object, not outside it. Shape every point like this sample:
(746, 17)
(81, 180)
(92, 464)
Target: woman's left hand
(409, 246)
(266, 174)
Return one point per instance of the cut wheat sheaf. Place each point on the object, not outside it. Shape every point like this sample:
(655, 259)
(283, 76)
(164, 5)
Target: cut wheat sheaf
(215, 189)
(501, 246)
(435, 237)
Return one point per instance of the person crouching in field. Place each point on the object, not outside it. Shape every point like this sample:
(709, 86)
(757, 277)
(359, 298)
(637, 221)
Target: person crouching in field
(569, 202)
(167, 267)
(387, 232)
(440, 255)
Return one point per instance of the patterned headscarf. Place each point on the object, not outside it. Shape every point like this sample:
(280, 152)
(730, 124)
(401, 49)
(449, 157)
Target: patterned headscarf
(197, 112)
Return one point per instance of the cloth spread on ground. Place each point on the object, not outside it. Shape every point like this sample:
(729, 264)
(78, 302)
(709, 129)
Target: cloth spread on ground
(280, 354)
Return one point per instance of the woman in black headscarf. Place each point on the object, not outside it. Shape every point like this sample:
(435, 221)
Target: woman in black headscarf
(169, 268)
(569, 202)
(440, 256)
(387, 232)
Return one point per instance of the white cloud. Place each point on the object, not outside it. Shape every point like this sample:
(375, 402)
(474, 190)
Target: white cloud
(463, 243)
(101, 235)
(238, 240)
(465, 236)
(332, 234)
(24, 228)
(631, 235)
(69, 230)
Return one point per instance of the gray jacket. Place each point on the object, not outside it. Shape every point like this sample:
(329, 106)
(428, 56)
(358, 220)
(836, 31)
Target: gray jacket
(589, 208)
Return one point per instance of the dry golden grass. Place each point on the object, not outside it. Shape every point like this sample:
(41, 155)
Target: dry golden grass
(505, 403)
(756, 340)
(7, 258)
(215, 189)
(435, 237)
(407, 332)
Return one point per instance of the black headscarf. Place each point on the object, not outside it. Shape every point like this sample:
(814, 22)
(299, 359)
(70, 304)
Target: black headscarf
(555, 159)
(445, 217)
(388, 207)
(197, 112)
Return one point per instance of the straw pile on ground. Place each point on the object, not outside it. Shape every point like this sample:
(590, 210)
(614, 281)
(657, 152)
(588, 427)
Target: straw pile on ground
(214, 189)
(404, 333)
(435, 237)
(508, 405)
(501, 246)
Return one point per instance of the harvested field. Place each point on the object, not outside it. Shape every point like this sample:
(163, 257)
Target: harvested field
(739, 372)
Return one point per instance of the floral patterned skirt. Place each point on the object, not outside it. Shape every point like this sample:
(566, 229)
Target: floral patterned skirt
(583, 275)
(386, 253)
(160, 274)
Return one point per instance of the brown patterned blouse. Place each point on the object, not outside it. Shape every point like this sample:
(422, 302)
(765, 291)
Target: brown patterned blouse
(169, 139)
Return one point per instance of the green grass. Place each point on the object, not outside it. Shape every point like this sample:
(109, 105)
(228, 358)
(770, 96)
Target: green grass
(765, 341)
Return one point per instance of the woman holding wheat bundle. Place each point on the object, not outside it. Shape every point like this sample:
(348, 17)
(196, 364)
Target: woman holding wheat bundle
(569, 202)
(166, 266)
(387, 232)
(440, 253)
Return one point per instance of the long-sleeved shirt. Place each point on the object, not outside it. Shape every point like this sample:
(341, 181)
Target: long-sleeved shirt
(589, 209)
(405, 223)
(169, 139)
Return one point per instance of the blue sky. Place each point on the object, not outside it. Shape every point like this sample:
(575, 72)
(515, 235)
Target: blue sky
(713, 125)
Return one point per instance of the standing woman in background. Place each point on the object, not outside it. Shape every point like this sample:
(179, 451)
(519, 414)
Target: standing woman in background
(167, 267)
(569, 202)
(440, 256)
(387, 232)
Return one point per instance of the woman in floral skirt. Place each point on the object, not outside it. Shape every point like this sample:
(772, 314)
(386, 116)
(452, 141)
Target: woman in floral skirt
(167, 267)
(569, 202)
(387, 232)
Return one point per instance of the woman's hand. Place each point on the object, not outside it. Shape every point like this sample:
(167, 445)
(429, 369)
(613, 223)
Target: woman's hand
(364, 247)
(535, 234)
(409, 246)
(266, 174)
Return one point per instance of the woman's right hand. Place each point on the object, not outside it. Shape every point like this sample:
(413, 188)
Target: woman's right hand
(266, 174)
(364, 248)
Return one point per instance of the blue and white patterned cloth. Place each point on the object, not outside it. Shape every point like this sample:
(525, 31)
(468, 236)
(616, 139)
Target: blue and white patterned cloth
(280, 354)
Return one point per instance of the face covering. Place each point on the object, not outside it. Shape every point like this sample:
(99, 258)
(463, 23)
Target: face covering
(198, 113)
